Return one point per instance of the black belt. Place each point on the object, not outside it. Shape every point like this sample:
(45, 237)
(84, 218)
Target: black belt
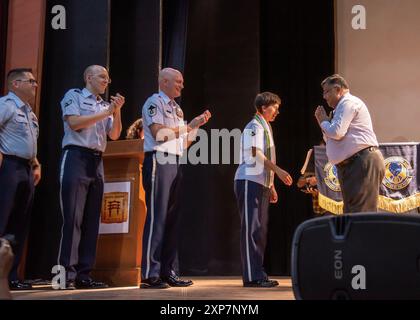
(357, 154)
(26, 162)
(84, 149)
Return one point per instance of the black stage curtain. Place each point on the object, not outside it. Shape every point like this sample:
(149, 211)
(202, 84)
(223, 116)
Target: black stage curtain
(297, 53)
(4, 13)
(134, 54)
(234, 50)
(67, 54)
(221, 74)
(174, 33)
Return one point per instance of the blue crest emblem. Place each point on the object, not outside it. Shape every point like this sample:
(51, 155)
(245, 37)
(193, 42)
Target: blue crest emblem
(331, 177)
(398, 173)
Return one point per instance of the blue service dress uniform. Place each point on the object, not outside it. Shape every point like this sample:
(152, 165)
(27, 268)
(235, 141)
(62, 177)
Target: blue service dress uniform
(161, 177)
(19, 131)
(252, 190)
(81, 184)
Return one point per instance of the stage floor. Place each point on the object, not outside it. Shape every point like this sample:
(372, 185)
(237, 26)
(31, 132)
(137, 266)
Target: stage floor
(204, 288)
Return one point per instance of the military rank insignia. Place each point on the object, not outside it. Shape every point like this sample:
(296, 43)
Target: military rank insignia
(152, 110)
(69, 102)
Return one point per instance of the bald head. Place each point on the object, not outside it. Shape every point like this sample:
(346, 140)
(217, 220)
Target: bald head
(96, 79)
(168, 73)
(93, 70)
(171, 82)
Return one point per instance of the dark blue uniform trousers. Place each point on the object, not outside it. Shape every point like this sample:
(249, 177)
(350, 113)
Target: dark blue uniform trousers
(16, 198)
(159, 250)
(253, 201)
(81, 192)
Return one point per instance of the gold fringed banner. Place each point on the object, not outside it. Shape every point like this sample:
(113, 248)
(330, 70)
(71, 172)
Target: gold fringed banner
(330, 205)
(399, 206)
(384, 203)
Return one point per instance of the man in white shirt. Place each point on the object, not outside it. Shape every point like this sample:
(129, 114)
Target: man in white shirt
(351, 146)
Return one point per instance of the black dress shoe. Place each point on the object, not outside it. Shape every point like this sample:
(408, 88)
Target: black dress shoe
(19, 285)
(153, 283)
(90, 284)
(264, 283)
(175, 281)
(70, 285)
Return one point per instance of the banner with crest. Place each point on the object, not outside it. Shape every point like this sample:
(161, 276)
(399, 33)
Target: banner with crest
(400, 189)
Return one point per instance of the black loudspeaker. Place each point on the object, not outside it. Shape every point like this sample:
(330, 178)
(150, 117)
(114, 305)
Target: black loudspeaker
(356, 257)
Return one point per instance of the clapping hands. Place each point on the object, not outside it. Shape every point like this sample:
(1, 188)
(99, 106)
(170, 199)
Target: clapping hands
(200, 120)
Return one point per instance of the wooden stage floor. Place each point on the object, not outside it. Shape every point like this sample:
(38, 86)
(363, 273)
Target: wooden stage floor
(204, 288)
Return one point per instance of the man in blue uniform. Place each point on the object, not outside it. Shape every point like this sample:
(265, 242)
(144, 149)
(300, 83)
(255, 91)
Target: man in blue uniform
(88, 119)
(20, 170)
(165, 138)
(254, 188)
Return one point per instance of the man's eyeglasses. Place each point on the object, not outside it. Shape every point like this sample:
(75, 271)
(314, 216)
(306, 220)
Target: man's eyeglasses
(104, 78)
(30, 81)
(327, 91)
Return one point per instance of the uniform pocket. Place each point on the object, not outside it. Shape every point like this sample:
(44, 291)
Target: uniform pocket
(86, 108)
(169, 112)
(20, 125)
(35, 126)
(20, 118)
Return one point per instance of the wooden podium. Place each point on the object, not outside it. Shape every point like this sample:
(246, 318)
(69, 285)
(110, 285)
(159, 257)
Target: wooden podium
(118, 258)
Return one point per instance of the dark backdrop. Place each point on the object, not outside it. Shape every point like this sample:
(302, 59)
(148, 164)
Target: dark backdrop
(134, 54)
(4, 5)
(297, 53)
(234, 50)
(229, 51)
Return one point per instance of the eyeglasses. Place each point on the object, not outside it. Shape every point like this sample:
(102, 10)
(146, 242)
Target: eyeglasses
(327, 91)
(31, 81)
(104, 78)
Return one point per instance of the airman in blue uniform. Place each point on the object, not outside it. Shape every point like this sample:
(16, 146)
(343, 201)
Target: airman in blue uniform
(88, 120)
(166, 136)
(20, 170)
(254, 188)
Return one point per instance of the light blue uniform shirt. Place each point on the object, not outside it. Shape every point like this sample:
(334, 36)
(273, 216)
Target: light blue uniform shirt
(249, 168)
(160, 109)
(349, 131)
(19, 128)
(78, 102)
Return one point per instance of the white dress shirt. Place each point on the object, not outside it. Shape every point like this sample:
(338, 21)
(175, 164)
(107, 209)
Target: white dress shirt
(349, 131)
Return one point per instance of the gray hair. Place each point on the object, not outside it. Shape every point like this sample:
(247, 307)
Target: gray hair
(335, 80)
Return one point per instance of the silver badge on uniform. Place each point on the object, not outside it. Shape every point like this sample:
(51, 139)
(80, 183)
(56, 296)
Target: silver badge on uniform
(179, 112)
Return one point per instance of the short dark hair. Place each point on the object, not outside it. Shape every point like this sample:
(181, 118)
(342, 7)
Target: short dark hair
(335, 80)
(266, 99)
(134, 130)
(13, 74)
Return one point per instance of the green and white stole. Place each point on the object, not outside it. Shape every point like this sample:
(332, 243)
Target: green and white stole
(267, 145)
